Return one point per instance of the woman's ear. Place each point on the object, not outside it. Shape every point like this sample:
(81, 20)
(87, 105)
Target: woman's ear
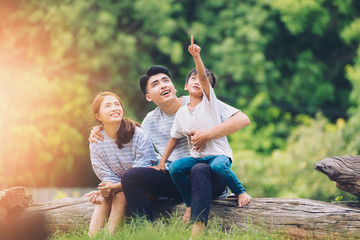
(97, 116)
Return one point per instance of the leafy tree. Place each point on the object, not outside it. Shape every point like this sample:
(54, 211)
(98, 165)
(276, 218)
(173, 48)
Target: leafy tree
(279, 61)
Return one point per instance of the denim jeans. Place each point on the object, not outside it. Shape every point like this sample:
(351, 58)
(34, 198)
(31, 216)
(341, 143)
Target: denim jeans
(219, 164)
(205, 186)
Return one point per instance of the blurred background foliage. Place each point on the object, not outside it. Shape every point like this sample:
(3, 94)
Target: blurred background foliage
(293, 66)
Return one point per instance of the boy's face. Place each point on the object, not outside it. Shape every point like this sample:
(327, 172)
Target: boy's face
(193, 86)
(160, 89)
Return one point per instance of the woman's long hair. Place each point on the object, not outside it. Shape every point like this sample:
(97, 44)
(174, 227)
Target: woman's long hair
(127, 126)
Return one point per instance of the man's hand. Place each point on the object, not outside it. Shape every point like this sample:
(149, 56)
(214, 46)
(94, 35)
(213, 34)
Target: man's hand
(199, 138)
(95, 134)
(194, 49)
(105, 189)
(159, 167)
(95, 197)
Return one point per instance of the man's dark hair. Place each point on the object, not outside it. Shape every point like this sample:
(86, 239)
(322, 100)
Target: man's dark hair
(209, 74)
(153, 70)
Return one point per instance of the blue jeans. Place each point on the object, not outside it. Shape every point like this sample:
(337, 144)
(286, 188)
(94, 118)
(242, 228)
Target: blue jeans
(219, 164)
(205, 185)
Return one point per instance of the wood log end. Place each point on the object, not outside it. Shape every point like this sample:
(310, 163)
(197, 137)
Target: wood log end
(13, 201)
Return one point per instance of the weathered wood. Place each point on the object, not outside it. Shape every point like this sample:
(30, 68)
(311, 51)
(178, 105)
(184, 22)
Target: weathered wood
(14, 225)
(13, 201)
(345, 171)
(297, 217)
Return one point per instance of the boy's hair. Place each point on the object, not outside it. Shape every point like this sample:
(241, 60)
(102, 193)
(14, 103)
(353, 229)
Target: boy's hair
(209, 74)
(153, 70)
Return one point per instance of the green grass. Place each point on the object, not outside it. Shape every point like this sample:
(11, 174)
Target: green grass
(171, 228)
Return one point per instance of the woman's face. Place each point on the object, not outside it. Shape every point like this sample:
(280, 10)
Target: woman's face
(110, 110)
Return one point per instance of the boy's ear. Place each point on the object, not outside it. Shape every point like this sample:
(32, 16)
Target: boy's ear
(148, 98)
(185, 88)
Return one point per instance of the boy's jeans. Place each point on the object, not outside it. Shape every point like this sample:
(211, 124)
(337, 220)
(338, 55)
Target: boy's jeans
(219, 164)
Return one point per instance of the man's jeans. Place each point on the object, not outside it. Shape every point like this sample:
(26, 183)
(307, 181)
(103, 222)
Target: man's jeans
(220, 166)
(205, 186)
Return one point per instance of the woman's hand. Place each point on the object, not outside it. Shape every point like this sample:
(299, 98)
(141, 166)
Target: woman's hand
(105, 189)
(95, 134)
(95, 197)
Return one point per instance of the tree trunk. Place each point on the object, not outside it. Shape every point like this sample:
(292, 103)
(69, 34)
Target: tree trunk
(297, 217)
(345, 171)
(13, 201)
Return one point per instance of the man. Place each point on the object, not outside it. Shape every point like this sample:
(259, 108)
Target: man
(158, 88)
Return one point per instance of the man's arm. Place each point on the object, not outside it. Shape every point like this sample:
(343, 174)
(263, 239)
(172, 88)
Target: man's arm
(200, 138)
(95, 134)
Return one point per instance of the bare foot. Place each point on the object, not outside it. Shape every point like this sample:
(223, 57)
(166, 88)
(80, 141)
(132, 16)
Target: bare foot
(243, 199)
(197, 229)
(187, 214)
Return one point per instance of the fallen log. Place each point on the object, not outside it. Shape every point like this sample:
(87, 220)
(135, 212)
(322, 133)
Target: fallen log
(345, 171)
(13, 201)
(299, 218)
(14, 224)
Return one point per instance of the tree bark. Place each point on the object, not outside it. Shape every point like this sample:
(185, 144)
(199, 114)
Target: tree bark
(345, 171)
(297, 217)
(13, 201)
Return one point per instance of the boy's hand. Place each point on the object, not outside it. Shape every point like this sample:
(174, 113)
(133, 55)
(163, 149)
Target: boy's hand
(159, 167)
(194, 49)
(95, 134)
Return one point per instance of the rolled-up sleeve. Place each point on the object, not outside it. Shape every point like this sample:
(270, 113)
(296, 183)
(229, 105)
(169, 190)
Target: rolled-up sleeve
(226, 111)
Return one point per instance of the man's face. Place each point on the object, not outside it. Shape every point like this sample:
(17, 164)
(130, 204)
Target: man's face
(160, 89)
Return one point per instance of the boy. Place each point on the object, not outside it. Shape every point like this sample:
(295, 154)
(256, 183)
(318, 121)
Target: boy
(201, 113)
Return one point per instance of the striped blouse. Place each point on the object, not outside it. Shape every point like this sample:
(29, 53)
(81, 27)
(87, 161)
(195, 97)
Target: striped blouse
(109, 162)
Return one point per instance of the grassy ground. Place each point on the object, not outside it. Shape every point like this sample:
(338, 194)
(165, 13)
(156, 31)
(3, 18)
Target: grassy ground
(172, 229)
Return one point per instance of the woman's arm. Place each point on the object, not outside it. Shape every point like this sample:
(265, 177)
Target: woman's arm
(108, 188)
(101, 167)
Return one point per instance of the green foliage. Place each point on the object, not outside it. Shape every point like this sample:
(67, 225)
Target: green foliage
(41, 128)
(290, 172)
(338, 198)
(278, 61)
(303, 14)
(353, 140)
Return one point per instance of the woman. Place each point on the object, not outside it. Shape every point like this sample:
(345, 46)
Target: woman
(125, 145)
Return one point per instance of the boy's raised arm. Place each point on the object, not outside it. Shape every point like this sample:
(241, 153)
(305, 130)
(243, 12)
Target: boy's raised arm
(194, 50)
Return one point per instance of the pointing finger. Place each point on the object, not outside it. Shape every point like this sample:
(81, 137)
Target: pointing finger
(192, 40)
